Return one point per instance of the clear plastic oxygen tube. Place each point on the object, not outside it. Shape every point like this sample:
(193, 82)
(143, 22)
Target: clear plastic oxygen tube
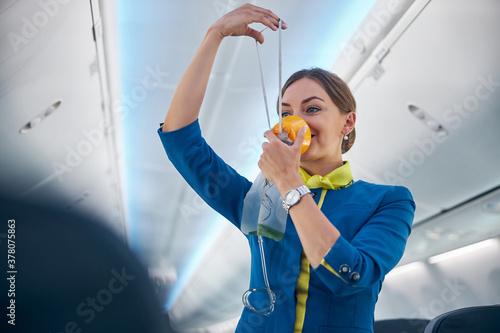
(272, 296)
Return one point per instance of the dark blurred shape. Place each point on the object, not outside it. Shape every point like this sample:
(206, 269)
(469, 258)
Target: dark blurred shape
(476, 319)
(408, 325)
(73, 275)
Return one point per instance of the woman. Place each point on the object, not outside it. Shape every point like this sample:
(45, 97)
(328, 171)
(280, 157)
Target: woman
(341, 236)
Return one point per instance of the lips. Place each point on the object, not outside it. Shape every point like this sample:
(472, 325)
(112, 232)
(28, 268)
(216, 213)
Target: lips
(313, 139)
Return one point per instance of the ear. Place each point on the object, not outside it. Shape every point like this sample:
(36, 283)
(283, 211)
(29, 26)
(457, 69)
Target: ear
(350, 121)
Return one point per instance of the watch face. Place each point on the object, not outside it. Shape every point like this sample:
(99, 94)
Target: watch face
(292, 197)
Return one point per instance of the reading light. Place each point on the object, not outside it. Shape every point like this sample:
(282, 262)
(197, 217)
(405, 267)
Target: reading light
(40, 117)
(492, 207)
(427, 119)
(441, 131)
(432, 125)
(416, 111)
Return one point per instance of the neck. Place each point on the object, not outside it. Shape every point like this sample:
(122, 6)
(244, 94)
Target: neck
(321, 168)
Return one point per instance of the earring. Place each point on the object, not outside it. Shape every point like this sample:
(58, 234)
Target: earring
(346, 137)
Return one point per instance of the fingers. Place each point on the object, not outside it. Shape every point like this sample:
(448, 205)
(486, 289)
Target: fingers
(297, 145)
(269, 135)
(278, 159)
(236, 23)
(301, 135)
(267, 17)
(273, 23)
(256, 35)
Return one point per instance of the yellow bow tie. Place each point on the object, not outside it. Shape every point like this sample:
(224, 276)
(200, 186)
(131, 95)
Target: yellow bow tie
(338, 178)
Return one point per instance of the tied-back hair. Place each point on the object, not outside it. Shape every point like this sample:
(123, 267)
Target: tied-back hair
(336, 88)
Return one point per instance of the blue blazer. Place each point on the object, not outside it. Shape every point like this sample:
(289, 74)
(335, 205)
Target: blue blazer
(374, 222)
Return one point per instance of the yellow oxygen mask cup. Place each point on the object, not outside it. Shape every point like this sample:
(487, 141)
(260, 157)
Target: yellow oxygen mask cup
(290, 127)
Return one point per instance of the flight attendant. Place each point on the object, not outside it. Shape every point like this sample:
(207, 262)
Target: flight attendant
(341, 236)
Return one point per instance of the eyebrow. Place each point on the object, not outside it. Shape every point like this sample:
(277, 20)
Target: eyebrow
(305, 101)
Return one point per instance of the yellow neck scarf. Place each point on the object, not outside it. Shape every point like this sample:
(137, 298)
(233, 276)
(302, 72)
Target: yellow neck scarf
(338, 178)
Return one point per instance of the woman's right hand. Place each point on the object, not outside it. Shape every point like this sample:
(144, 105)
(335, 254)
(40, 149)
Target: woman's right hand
(186, 103)
(235, 23)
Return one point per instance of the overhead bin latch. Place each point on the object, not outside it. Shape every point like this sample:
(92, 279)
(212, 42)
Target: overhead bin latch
(380, 52)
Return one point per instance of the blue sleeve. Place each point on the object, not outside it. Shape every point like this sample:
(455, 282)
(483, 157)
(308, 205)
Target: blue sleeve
(374, 250)
(219, 185)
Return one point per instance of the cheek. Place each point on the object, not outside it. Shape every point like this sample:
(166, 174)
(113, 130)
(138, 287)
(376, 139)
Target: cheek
(314, 125)
(321, 128)
(328, 133)
(335, 126)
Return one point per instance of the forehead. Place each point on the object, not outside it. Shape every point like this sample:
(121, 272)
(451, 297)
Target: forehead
(304, 88)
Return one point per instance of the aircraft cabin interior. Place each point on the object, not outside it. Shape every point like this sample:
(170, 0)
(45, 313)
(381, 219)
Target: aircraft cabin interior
(99, 227)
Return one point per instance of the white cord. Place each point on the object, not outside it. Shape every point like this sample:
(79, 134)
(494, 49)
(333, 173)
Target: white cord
(280, 107)
(263, 86)
(272, 296)
(280, 71)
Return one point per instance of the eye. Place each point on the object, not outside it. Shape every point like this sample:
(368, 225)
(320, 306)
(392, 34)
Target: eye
(285, 114)
(312, 109)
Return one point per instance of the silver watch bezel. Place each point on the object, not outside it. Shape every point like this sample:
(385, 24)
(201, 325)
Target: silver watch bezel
(289, 201)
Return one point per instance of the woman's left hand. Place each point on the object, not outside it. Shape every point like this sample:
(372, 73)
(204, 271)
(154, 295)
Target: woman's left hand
(280, 163)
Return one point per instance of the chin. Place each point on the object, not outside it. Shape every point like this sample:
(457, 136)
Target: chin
(307, 156)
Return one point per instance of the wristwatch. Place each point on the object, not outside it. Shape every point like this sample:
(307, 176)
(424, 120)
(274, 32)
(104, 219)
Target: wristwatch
(293, 197)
